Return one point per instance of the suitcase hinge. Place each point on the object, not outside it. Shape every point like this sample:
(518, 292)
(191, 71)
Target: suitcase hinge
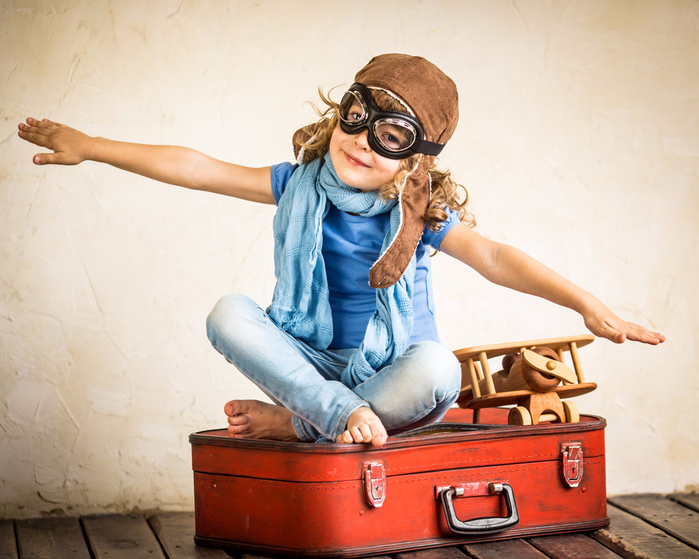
(375, 483)
(572, 463)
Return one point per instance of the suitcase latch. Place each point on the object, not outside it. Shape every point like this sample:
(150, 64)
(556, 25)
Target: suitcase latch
(374, 483)
(572, 463)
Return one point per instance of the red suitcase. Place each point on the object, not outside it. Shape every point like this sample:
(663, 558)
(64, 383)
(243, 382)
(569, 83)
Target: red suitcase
(443, 485)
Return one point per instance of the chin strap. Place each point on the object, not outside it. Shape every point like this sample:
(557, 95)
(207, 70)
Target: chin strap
(413, 199)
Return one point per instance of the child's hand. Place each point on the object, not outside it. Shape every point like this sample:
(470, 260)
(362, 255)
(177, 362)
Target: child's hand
(70, 146)
(604, 323)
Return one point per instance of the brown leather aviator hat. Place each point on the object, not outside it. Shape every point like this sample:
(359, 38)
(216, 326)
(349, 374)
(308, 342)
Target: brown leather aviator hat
(432, 97)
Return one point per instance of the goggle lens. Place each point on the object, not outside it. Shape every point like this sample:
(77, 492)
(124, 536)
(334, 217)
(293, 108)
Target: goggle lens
(394, 134)
(353, 110)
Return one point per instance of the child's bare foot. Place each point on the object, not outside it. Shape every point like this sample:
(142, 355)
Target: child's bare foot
(364, 426)
(252, 419)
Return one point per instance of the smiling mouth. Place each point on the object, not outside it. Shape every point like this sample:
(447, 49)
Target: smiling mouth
(353, 161)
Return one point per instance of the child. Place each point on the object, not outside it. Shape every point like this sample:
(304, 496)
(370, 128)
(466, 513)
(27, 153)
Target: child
(345, 360)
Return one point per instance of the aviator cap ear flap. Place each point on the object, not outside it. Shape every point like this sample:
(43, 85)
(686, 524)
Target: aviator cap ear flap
(433, 98)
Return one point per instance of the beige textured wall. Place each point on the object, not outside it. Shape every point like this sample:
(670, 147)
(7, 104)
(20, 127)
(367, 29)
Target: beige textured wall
(578, 141)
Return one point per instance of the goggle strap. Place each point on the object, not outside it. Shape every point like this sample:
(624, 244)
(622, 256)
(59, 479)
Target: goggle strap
(428, 148)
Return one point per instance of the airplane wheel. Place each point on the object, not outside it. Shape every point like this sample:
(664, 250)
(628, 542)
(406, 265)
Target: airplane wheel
(572, 413)
(519, 416)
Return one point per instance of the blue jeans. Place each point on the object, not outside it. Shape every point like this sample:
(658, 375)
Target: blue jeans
(416, 389)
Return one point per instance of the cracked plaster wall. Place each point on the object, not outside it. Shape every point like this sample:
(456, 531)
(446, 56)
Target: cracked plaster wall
(578, 141)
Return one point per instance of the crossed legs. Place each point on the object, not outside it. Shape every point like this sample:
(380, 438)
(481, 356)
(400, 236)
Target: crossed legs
(311, 404)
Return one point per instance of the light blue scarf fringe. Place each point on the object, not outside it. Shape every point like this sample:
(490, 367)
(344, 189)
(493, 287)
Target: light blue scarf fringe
(301, 305)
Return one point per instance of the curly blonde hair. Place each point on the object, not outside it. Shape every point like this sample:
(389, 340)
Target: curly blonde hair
(444, 190)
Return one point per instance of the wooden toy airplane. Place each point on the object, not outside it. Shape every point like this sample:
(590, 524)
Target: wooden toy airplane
(534, 378)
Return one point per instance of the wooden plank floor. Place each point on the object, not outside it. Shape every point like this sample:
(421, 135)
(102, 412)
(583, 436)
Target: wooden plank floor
(642, 526)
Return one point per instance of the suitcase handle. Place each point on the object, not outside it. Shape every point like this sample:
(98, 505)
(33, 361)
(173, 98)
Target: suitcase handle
(479, 526)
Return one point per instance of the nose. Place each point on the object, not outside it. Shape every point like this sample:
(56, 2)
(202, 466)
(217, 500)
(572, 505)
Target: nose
(361, 140)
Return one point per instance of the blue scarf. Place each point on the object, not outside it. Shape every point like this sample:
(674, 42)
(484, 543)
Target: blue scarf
(301, 305)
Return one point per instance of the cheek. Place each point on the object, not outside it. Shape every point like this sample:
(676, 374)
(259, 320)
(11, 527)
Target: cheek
(334, 146)
(337, 137)
(389, 167)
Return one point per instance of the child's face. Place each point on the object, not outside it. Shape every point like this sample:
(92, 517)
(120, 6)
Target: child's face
(357, 165)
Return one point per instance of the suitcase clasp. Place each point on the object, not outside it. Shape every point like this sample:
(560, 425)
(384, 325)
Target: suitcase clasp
(572, 463)
(374, 483)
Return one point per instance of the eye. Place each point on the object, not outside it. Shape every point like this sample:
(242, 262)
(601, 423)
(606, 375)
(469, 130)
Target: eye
(355, 113)
(393, 137)
(394, 134)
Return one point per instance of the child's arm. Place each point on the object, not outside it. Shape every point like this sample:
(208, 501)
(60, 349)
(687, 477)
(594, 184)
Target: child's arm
(170, 164)
(507, 266)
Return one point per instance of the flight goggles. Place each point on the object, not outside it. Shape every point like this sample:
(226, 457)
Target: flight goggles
(391, 134)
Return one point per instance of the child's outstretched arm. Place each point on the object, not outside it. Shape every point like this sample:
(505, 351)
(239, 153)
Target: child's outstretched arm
(507, 266)
(170, 164)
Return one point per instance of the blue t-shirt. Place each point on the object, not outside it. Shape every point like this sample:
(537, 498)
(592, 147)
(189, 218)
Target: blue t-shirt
(351, 246)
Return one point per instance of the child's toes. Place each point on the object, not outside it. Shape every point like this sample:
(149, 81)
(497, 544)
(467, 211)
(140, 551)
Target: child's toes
(380, 436)
(238, 420)
(230, 407)
(379, 439)
(237, 429)
(345, 438)
(357, 435)
(366, 433)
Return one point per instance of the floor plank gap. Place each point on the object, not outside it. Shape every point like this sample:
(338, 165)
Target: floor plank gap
(175, 532)
(51, 538)
(665, 514)
(632, 537)
(8, 540)
(114, 536)
(87, 540)
(572, 546)
(435, 553)
(689, 500)
(504, 548)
